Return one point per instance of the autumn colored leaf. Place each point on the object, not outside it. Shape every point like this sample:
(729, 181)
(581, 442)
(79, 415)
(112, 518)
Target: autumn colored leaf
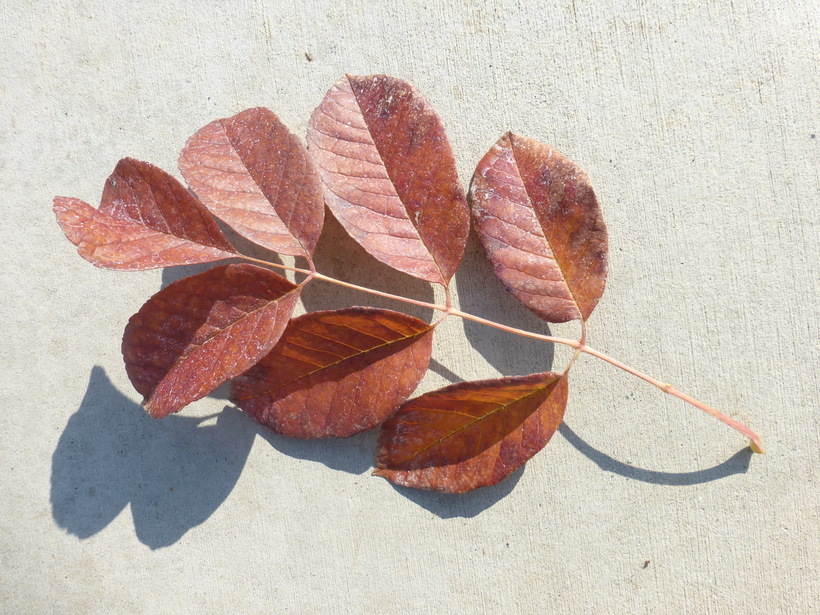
(540, 224)
(254, 174)
(146, 220)
(336, 373)
(471, 434)
(390, 175)
(202, 330)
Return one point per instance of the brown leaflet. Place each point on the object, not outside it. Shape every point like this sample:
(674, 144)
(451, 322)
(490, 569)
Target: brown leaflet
(254, 174)
(202, 330)
(471, 434)
(146, 220)
(390, 175)
(540, 224)
(336, 373)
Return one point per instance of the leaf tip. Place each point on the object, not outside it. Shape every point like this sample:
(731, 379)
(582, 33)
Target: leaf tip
(757, 446)
(60, 204)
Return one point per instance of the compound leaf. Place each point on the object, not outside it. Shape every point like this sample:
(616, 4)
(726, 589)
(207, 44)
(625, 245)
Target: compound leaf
(146, 220)
(390, 175)
(471, 434)
(540, 224)
(202, 330)
(254, 174)
(336, 373)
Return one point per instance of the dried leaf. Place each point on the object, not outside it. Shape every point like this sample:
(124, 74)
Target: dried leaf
(147, 220)
(471, 434)
(336, 373)
(390, 175)
(254, 174)
(540, 224)
(202, 330)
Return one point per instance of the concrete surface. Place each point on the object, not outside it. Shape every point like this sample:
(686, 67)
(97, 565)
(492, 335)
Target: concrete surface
(697, 124)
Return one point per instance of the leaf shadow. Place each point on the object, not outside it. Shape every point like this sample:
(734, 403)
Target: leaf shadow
(174, 274)
(246, 247)
(173, 472)
(337, 255)
(444, 371)
(353, 455)
(736, 464)
(464, 505)
(481, 293)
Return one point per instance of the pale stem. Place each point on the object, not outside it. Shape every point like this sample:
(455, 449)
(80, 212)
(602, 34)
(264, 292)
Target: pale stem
(378, 293)
(276, 265)
(448, 307)
(522, 332)
(756, 443)
(581, 343)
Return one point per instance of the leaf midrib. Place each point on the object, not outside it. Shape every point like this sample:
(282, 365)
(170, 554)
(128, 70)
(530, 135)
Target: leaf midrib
(452, 434)
(443, 281)
(544, 234)
(195, 347)
(335, 363)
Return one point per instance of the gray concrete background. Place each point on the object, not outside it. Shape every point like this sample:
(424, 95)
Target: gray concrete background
(696, 122)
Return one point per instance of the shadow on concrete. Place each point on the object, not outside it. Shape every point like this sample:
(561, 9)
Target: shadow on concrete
(468, 505)
(445, 372)
(482, 294)
(353, 455)
(339, 256)
(172, 274)
(736, 464)
(174, 473)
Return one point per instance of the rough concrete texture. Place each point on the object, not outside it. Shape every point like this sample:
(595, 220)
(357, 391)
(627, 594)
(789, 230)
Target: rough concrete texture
(696, 122)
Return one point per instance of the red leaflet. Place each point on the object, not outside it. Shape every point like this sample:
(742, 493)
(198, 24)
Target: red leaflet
(202, 330)
(390, 175)
(254, 174)
(336, 373)
(471, 434)
(147, 220)
(539, 221)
